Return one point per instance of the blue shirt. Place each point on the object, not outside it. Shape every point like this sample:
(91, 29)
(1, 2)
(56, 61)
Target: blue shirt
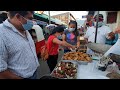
(112, 42)
(17, 52)
(70, 37)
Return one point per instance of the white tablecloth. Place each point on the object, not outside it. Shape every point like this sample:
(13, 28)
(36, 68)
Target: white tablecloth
(90, 71)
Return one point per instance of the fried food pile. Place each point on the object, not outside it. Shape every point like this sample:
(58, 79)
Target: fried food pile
(65, 70)
(80, 56)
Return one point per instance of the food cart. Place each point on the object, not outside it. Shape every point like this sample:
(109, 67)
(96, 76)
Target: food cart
(80, 69)
(85, 70)
(79, 65)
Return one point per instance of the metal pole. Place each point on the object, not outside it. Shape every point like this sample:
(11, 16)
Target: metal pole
(96, 27)
(49, 17)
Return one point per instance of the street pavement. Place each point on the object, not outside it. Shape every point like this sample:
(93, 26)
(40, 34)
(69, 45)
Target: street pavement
(43, 69)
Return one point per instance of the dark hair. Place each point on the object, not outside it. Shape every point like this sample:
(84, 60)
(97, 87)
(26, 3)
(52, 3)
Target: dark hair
(100, 15)
(74, 22)
(58, 29)
(23, 13)
(62, 26)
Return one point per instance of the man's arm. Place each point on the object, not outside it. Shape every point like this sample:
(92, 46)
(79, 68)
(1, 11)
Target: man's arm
(7, 74)
(110, 34)
(4, 72)
(117, 30)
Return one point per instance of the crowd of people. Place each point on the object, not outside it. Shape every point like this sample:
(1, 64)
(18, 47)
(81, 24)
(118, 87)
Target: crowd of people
(19, 56)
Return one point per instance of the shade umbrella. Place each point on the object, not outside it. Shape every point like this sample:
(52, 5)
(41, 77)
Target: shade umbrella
(41, 23)
(51, 26)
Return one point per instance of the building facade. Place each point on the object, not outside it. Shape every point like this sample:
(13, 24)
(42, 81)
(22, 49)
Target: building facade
(64, 17)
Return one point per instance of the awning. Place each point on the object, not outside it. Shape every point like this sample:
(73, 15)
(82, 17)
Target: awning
(45, 18)
(41, 17)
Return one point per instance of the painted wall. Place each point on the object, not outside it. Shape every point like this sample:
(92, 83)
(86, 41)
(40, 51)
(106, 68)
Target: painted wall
(114, 25)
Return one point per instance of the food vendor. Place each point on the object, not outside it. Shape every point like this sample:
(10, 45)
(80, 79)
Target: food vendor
(103, 33)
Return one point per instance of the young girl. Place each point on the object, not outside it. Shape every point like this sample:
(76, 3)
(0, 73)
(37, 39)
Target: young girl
(53, 46)
(71, 36)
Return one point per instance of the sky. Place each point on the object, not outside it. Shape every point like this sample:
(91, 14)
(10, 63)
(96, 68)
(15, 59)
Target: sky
(76, 14)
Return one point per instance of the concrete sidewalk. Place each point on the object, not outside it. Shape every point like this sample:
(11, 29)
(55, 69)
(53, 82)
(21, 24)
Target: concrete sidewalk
(43, 69)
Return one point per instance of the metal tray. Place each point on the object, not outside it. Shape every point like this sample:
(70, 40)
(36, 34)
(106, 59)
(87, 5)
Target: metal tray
(78, 61)
(66, 61)
(99, 48)
(82, 62)
(115, 57)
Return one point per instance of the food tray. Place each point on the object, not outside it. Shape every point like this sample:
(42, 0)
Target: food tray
(72, 61)
(79, 61)
(82, 62)
(66, 61)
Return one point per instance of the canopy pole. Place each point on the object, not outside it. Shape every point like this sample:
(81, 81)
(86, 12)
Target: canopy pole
(96, 27)
(49, 17)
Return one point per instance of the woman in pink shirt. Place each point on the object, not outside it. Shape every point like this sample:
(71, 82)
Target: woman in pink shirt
(53, 46)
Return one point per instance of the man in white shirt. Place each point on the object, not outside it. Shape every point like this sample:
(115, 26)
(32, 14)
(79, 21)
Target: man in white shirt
(103, 32)
(38, 37)
(39, 32)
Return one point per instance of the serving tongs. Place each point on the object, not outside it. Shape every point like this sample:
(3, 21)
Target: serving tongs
(74, 50)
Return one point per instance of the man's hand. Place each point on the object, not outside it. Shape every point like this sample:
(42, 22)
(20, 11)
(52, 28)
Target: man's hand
(117, 30)
(111, 35)
(7, 74)
(86, 41)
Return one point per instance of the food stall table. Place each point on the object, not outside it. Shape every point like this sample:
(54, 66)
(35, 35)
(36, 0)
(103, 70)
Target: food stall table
(91, 71)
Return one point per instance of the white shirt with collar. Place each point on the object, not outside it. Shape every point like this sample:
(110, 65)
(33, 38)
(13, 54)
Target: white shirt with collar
(101, 35)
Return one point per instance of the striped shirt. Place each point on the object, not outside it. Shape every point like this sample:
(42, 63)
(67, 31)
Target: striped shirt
(17, 52)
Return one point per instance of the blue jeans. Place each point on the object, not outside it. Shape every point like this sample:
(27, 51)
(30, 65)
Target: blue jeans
(34, 75)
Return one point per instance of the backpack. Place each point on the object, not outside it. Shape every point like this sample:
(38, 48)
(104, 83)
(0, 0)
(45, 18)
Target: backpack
(44, 52)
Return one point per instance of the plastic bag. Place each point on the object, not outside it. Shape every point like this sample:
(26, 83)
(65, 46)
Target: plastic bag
(113, 68)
